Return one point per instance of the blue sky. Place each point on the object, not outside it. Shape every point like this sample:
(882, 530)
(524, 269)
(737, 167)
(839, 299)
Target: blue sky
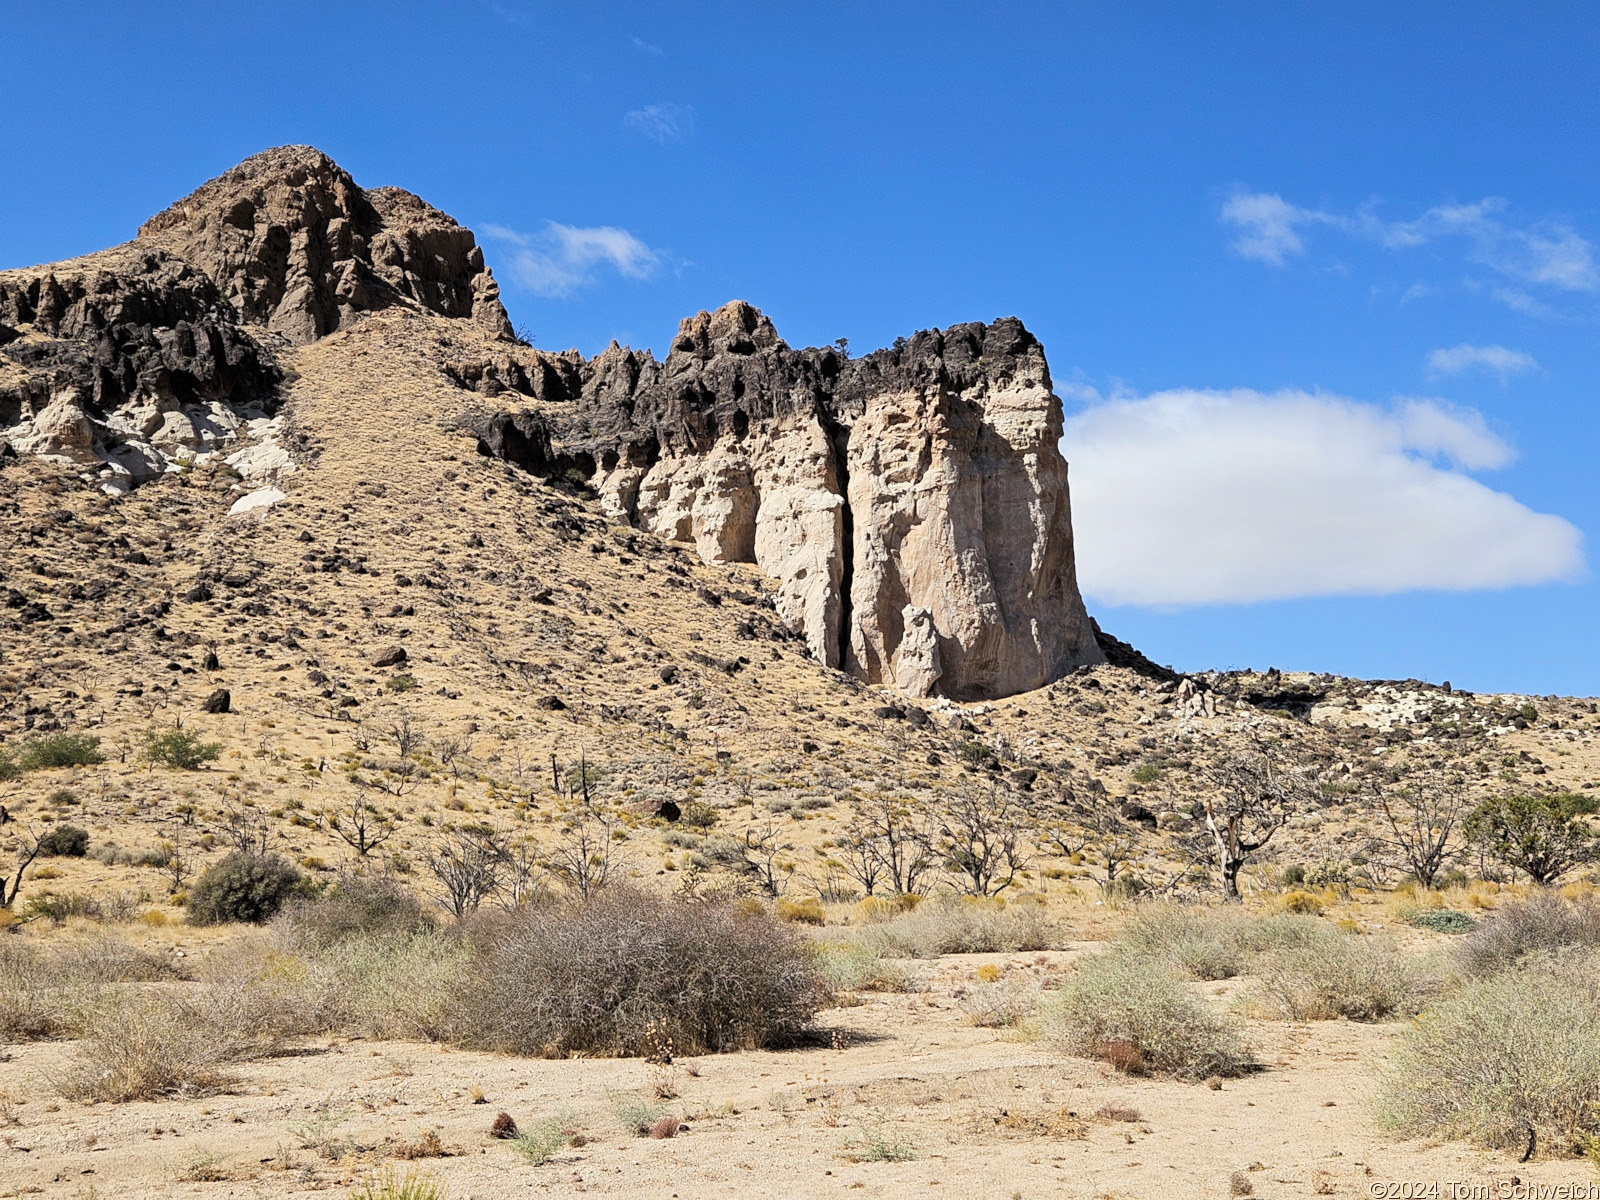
(1319, 290)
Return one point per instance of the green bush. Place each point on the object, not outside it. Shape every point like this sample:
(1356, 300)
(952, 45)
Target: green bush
(1443, 920)
(180, 749)
(630, 973)
(699, 815)
(401, 683)
(242, 887)
(1294, 876)
(60, 750)
(9, 769)
(1544, 836)
(65, 841)
(1508, 1057)
(1137, 1015)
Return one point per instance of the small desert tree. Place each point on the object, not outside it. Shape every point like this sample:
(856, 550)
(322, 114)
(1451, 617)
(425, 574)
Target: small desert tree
(27, 850)
(1097, 829)
(1422, 821)
(1252, 795)
(361, 826)
(584, 858)
(467, 864)
(1542, 836)
(984, 839)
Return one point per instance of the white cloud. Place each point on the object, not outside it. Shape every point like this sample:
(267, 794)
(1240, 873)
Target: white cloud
(1502, 362)
(1203, 497)
(662, 123)
(565, 257)
(649, 48)
(1541, 253)
(1267, 224)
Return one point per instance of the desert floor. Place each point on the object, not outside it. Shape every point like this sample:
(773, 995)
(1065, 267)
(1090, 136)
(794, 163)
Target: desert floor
(977, 1113)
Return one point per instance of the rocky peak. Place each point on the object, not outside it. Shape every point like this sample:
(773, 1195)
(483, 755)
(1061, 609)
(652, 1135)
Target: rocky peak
(164, 349)
(295, 244)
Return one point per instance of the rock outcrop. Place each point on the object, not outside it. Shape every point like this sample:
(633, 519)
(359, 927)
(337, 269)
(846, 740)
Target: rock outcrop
(131, 361)
(912, 505)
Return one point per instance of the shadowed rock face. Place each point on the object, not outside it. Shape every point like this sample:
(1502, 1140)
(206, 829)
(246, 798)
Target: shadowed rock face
(162, 349)
(912, 504)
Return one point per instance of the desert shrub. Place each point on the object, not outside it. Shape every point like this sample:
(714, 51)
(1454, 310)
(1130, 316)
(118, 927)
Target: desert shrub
(538, 1143)
(1544, 921)
(66, 841)
(624, 972)
(848, 966)
(180, 749)
(699, 815)
(961, 926)
(1294, 875)
(807, 911)
(1137, 1015)
(391, 1185)
(242, 887)
(9, 769)
(1212, 943)
(1507, 1057)
(401, 683)
(60, 750)
(140, 1047)
(873, 909)
(1003, 1003)
(1342, 975)
(57, 907)
(1443, 920)
(47, 992)
(355, 905)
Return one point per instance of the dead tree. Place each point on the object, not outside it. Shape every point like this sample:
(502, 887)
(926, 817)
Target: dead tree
(248, 828)
(467, 864)
(584, 858)
(452, 750)
(1095, 829)
(361, 826)
(1422, 822)
(1252, 795)
(758, 854)
(898, 835)
(26, 853)
(984, 838)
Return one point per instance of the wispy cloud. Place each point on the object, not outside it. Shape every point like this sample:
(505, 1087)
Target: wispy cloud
(1204, 497)
(649, 48)
(1496, 359)
(662, 123)
(564, 258)
(1542, 254)
(1267, 225)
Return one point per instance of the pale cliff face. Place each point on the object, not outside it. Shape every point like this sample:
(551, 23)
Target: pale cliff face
(912, 506)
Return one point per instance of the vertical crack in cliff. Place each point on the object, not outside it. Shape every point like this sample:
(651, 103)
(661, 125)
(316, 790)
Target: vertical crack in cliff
(839, 435)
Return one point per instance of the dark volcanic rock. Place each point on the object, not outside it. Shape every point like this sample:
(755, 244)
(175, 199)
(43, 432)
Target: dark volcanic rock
(149, 352)
(220, 701)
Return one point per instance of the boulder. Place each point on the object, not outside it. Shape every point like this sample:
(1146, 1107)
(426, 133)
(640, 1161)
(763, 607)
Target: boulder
(394, 656)
(219, 701)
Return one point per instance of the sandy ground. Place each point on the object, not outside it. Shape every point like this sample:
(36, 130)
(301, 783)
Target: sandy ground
(982, 1114)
